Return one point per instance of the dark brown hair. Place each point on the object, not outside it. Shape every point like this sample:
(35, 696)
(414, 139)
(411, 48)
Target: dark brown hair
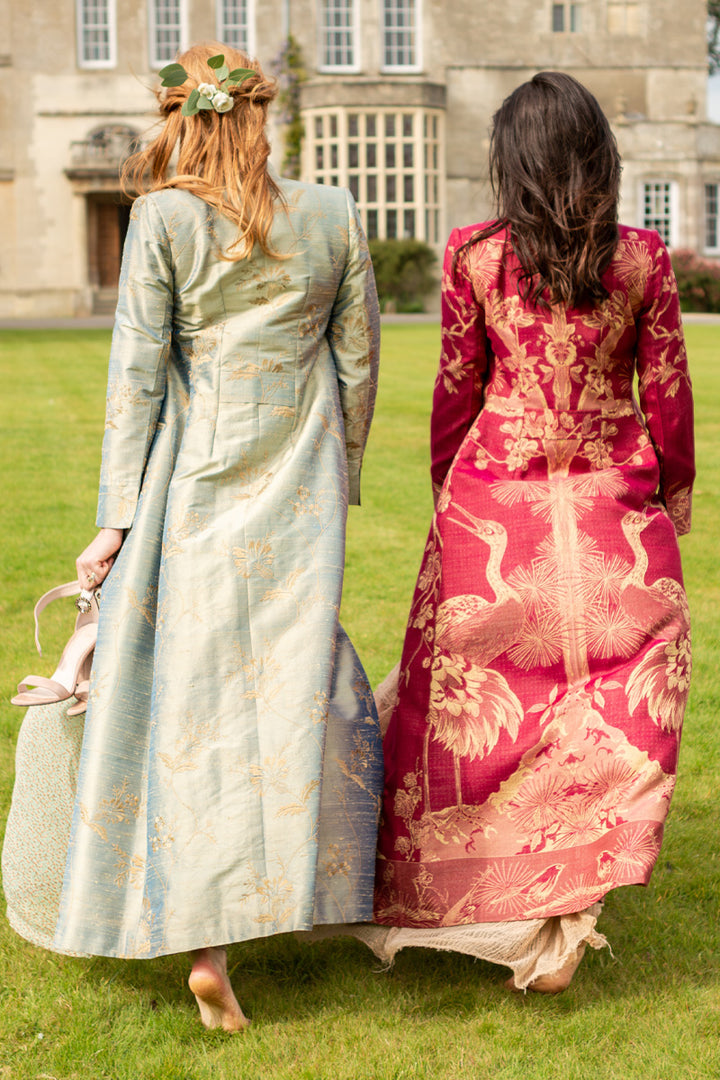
(555, 172)
(221, 157)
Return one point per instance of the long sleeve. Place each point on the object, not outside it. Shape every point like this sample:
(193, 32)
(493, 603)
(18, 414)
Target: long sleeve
(458, 390)
(665, 390)
(138, 364)
(354, 336)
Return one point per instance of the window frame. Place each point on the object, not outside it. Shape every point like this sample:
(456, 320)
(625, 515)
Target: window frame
(80, 26)
(571, 14)
(156, 62)
(336, 152)
(711, 249)
(354, 29)
(249, 47)
(417, 36)
(671, 239)
(632, 18)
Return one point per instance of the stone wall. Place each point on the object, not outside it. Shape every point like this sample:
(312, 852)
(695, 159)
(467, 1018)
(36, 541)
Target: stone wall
(651, 82)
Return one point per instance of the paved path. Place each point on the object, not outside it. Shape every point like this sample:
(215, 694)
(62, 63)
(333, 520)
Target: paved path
(92, 322)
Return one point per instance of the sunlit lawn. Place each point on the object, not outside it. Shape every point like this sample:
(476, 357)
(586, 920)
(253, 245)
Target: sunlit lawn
(650, 1012)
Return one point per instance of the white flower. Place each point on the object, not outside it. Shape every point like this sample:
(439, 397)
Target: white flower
(207, 90)
(221, 101)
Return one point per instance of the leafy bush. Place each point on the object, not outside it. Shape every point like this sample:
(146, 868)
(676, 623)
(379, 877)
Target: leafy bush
(403, 272)
(290, 72)
(698, 281)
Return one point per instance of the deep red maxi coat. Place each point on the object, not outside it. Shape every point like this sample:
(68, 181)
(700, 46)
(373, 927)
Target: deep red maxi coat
(531, 756)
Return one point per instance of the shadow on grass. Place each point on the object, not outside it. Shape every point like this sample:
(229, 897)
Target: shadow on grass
(654, 934)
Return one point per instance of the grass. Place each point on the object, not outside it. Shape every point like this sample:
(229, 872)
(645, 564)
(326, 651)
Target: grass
(650, 1012)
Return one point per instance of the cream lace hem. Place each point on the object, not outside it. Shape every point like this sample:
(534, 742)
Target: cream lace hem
(531, 947)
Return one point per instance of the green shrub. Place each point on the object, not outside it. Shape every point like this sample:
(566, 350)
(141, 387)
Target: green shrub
(698, 281)
(291, 73)
(403, 272)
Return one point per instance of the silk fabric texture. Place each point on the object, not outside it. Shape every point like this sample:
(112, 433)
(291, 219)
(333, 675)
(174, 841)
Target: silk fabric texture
(231, 768)
(532, 751)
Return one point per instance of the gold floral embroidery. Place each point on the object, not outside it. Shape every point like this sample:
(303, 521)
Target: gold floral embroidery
(130, 869)
(256, 558)
(274, 282)
(300, 805)
(121, 397)
(337, 861)
(194, 736)
(121, 806)
(187, 524)
(163, 836)
(275, 893)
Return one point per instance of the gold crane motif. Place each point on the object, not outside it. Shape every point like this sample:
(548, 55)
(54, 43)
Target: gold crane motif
(470, 703)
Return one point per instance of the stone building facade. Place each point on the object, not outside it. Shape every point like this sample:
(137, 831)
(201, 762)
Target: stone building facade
(396, 103)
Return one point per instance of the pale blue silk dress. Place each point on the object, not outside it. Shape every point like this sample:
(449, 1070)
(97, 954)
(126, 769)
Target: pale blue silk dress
(231, 765)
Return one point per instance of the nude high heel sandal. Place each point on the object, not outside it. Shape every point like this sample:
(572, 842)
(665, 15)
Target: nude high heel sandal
(73, 672)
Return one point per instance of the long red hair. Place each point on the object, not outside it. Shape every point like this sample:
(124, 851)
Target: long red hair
(220, 157)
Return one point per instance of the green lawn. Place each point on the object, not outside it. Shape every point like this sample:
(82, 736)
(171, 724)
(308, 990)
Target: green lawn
(649, 1012)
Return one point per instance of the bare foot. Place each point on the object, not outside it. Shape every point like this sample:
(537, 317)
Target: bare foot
(209, 983)
(557, 981)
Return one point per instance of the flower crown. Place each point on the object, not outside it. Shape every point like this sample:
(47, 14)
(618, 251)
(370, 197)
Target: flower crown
(207, 95)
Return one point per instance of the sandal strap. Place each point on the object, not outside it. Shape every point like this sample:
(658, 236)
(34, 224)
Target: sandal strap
(31, 682)
(82, 690)
(70, 588)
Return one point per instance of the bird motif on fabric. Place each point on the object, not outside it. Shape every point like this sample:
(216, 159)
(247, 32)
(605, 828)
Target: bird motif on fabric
(470, 702)
(647, 606)
(662, 675)
(471, 625)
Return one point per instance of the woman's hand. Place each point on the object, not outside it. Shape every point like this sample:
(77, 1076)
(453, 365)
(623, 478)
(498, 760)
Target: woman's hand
(93, 566)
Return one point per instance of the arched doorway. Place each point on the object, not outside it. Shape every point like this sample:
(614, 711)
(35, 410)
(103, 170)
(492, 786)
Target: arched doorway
(108, 216)
(95, 173)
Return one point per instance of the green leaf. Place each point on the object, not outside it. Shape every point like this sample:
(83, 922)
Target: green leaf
(191, 107)
(222, 73)
(173, 75)
(203, 102)
(240, 75)
(216, 61)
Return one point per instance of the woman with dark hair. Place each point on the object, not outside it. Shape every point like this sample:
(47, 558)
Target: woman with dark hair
(532, 748)
(231, 766)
